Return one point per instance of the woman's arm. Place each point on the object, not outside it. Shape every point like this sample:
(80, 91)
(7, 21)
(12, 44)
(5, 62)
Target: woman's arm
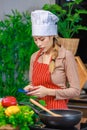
(73, 79)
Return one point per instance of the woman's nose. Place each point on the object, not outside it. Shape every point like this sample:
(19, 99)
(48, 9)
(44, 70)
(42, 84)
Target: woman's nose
(38, 42)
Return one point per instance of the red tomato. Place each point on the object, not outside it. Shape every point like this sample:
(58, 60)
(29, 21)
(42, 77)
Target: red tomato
(9, 101)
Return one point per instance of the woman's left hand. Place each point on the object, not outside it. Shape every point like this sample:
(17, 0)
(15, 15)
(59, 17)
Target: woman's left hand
(39, 91)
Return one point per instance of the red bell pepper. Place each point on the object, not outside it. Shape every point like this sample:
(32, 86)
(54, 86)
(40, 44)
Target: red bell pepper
(9, 101)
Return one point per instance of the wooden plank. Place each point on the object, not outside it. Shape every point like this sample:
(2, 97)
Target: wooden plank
(82, 71)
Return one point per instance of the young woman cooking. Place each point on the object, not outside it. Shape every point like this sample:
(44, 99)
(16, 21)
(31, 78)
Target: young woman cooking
(53, 72)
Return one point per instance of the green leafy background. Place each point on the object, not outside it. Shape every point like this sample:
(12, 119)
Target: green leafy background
(16, 47)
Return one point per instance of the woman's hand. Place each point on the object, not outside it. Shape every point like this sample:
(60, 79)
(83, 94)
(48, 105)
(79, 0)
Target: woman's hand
(41, 91)
(28, 88)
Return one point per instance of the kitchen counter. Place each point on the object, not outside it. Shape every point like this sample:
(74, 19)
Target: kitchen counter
(79, 103)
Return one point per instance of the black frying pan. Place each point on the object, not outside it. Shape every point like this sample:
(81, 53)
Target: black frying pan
(69, 118)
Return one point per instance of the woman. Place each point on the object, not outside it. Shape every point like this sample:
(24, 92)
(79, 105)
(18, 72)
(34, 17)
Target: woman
(53, 71)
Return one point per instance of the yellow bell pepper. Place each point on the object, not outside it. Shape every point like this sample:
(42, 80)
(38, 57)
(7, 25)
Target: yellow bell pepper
(0, 104)
(12, 110)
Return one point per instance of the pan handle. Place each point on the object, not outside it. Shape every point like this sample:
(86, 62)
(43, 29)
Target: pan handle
(30, 105)
(44, 108)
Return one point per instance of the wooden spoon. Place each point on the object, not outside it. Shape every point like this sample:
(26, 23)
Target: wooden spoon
(44, 108)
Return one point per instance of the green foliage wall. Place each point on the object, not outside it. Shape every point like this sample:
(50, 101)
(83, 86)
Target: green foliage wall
(16, 47)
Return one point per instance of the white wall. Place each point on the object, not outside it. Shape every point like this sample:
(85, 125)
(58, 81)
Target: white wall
(21, 5)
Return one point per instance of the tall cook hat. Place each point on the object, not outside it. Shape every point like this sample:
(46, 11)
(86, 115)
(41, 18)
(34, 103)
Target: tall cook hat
(44, 23)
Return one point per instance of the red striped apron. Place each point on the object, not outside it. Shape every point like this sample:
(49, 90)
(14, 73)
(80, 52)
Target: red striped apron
(42, 76)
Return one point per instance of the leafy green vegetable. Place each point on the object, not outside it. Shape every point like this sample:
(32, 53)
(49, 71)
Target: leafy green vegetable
(22, 119)
(2, 116)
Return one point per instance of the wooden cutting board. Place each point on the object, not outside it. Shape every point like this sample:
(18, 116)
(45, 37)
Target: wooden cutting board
(82, 71)
(8, 127)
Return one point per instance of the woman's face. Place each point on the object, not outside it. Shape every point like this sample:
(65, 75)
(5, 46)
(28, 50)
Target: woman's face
(43, 42)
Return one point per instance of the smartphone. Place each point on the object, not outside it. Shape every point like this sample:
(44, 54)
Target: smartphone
(22, 90)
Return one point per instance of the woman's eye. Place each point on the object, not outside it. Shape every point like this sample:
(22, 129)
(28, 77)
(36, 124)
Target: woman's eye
(42, 39)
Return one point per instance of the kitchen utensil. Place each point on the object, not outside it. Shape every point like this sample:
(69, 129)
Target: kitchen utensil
(44, 108)
(69, 118)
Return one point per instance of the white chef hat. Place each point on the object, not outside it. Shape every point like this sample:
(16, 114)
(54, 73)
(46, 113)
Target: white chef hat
(44, 23)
